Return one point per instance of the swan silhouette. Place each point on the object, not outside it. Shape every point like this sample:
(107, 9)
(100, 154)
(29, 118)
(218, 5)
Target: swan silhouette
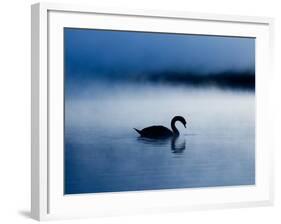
(161, 131)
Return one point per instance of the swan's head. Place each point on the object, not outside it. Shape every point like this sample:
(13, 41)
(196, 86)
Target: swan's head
(180, 119)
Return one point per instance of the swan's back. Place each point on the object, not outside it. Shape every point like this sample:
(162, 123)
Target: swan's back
(155, 132)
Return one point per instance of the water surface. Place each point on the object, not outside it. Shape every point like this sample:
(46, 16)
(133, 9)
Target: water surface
(104, 154)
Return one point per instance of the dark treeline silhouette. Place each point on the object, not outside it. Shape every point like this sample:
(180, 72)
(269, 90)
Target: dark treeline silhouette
(227, 79)
(242, 80)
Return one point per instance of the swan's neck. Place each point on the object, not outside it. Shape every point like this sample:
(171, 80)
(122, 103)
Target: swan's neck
(174, 128)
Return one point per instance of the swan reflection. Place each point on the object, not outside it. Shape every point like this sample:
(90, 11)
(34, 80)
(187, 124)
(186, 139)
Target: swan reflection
(177, 143)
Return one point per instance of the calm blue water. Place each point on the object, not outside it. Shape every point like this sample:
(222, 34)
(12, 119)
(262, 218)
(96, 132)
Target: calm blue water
(104, 154)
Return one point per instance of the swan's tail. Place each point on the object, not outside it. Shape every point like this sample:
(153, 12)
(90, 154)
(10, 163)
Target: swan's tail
(138, 131)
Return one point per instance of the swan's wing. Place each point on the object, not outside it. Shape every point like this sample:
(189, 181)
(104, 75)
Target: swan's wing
(156, 131)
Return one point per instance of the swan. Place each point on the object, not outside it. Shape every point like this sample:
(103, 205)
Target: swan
(161, 131)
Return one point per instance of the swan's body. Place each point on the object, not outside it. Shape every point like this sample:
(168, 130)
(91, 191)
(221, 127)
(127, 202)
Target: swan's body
(161, 131)
(155, 132)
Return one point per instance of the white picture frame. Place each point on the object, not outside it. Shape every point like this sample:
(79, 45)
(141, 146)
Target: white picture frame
(47, 198)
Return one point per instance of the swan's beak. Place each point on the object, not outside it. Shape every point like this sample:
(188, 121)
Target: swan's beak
(184, 125)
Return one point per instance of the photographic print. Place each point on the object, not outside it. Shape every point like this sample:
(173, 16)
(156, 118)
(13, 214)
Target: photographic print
(154, 111)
